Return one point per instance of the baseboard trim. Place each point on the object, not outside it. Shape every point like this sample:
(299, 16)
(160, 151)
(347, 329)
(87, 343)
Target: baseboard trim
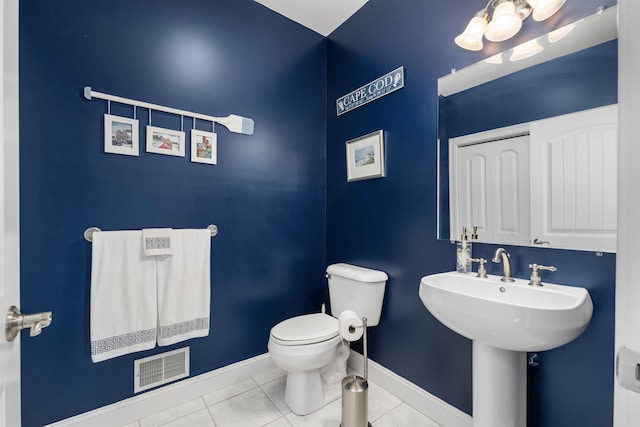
(144, 405)
(438, 410)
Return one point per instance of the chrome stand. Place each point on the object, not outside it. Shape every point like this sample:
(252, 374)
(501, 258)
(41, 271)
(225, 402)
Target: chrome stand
(355, 391)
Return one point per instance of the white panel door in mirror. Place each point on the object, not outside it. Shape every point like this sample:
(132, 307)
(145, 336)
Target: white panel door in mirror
(574, 180)
(491, 189)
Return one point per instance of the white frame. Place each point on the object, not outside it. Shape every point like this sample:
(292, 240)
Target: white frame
(196, 136)
(376, 169)
(152, 130)
(109, 121)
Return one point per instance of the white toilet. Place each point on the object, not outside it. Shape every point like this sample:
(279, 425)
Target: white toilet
(310, 348)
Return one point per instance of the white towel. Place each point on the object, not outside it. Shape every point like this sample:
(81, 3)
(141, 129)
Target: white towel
(184, 287)
(157, 241)
(123, 295)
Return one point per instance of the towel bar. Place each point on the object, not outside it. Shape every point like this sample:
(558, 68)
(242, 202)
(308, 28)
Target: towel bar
(88, 233)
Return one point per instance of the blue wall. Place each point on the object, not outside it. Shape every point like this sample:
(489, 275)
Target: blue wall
(267, 193)
(390, 223)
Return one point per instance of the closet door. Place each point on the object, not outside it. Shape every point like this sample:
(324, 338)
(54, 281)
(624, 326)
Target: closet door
(474, 191)
(574, 180)
(510, 185)
(493, 190)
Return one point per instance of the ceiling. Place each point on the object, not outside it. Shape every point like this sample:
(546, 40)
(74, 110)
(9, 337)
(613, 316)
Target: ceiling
(322, 16)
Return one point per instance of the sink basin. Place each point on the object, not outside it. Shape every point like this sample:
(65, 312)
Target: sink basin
(510, 316)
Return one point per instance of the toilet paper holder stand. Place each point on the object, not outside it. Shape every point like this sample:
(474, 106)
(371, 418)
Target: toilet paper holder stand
(355, 390)
(364, 344)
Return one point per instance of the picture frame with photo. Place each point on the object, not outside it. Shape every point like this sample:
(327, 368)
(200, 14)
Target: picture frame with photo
(165, 141)
(365, 157)
(121, 135)
(204, 147)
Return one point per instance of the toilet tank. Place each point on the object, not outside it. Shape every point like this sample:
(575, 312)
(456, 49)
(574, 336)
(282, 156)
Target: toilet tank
(357, 289)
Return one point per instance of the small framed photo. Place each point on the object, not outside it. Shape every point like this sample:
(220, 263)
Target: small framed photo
(365, 157)
(165, 141)
(204, 147)
(121, 135)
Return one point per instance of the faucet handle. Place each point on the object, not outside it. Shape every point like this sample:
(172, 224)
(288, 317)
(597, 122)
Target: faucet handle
(482, 271)
(535, 275)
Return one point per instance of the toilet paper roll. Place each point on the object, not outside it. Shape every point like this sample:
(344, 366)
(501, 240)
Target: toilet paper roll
(350, 325)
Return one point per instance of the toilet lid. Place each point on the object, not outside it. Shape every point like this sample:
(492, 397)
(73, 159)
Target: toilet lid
(308, 328)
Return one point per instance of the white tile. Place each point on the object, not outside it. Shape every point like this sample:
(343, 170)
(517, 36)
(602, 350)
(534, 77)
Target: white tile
(380, 401)
(402, 416)
(269, 376)
(226, 393)
(201, 418)
(327, 416)
(280, 422)
(172, 414)
(250, 409)
(275, 392)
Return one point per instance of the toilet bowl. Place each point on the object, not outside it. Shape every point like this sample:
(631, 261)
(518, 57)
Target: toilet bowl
(308, 347)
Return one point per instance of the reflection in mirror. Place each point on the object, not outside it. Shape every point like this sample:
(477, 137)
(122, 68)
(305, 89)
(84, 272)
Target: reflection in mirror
(496, 93)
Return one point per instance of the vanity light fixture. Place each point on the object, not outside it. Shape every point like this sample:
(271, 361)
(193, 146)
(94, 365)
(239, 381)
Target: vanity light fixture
(506, 20)
(525, 50)
(543, 9)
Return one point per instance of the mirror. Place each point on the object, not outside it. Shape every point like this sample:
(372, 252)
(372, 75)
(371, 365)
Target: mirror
(571, 69)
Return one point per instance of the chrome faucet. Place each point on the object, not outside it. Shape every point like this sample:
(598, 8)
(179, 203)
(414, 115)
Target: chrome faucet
(501, 253)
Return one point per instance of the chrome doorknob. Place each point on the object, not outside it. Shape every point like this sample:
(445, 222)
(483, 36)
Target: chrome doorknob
(16, 321)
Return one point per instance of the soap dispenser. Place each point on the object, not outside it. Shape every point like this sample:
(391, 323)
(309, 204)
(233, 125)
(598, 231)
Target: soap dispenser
(463, 253)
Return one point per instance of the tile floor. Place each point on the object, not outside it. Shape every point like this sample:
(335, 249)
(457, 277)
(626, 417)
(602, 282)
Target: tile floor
(259, 401)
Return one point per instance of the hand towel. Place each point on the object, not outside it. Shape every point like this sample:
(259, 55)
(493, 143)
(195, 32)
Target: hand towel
(123, 295)
(157, 241)
(184, 287)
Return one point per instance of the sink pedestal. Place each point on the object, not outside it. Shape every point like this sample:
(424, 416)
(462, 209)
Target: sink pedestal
(499, 387)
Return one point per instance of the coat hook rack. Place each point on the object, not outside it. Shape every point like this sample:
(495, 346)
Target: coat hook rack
(235, 124)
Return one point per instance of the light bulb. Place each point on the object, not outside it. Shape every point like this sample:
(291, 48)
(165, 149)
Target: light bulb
(526, 50)
(505, 22)
(559, 34)
(546, 8)
(471, 38)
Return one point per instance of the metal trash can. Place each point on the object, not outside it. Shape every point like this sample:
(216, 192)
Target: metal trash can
(355, 393)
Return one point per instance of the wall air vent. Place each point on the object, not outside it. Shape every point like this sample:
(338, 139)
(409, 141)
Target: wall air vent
(160, 369)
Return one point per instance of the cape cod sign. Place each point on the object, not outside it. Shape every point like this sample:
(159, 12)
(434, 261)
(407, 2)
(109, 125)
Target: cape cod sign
(378, 88)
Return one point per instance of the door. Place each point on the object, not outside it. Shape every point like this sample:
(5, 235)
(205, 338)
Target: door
(627, 403)
(492, 190)
(510, 186)
(574, 166)
(9, 212)
(474, 195)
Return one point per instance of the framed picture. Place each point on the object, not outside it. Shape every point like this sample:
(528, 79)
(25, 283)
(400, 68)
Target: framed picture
(365, 157)
(204, 147)
(165, 141)
(121, 135)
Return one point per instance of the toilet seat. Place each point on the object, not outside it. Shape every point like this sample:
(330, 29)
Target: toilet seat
(305, 329)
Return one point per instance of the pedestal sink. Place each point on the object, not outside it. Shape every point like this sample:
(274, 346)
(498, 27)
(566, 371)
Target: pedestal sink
(505, 321)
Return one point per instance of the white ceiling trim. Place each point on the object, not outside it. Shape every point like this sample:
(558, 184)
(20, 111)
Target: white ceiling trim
(322, 16)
